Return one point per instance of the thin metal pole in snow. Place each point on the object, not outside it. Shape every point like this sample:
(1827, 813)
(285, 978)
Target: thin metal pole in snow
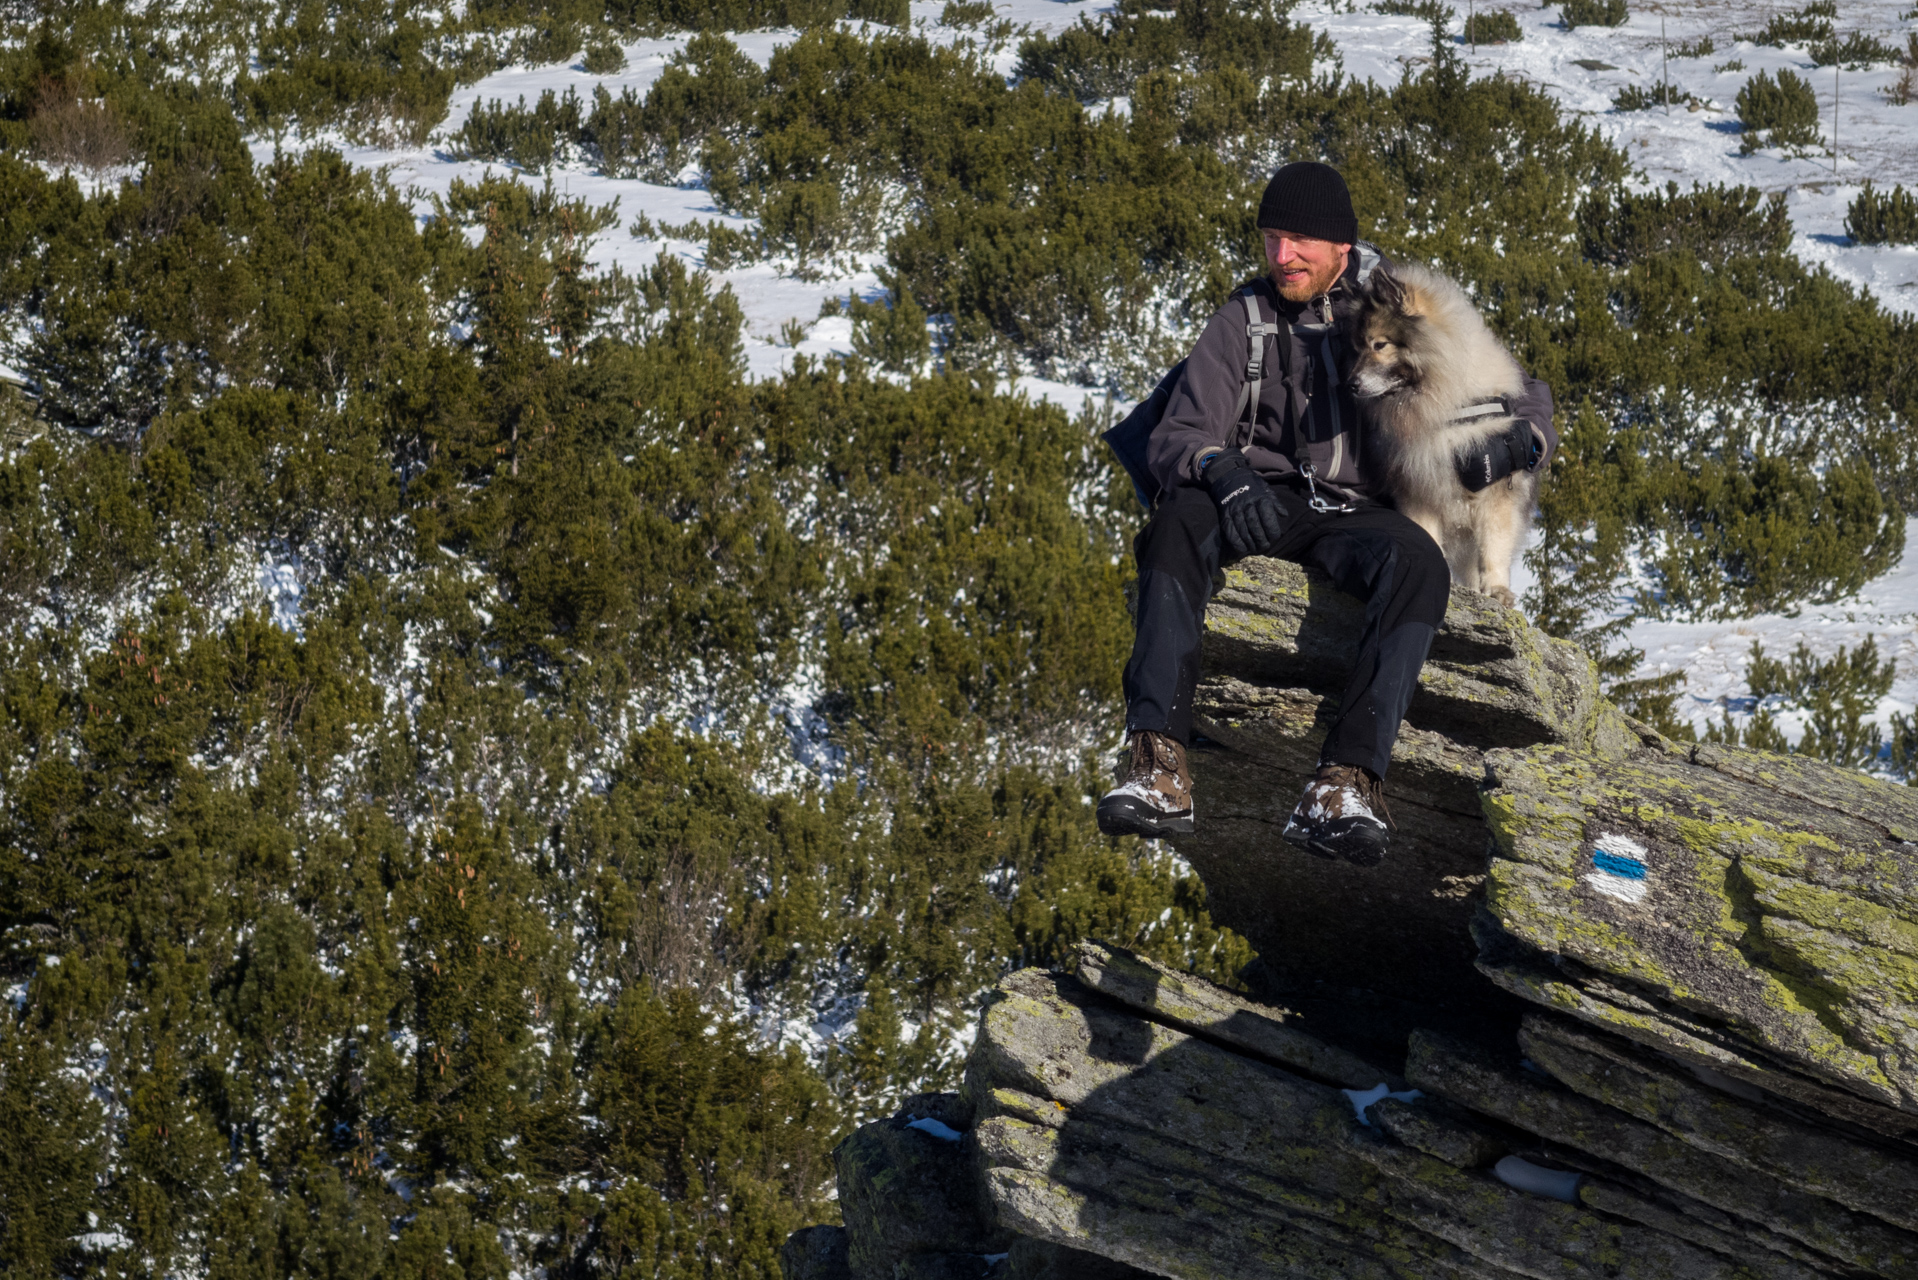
(1834, 118)
(1665, 63)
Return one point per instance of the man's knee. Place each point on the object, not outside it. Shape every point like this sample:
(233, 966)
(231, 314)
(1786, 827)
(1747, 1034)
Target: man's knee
(1423, 555)
(1186, 508)
(1423, 573)
(1182, 536)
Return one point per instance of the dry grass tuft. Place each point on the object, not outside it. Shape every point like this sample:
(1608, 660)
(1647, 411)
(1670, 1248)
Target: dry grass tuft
(69, 130)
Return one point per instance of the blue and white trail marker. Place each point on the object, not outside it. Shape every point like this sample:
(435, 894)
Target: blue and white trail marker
(1618, 869)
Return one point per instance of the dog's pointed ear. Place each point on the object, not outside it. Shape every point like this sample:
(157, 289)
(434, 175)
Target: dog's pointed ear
(1387, 290)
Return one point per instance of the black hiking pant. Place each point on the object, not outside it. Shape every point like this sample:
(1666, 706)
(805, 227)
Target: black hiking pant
(1373, 553)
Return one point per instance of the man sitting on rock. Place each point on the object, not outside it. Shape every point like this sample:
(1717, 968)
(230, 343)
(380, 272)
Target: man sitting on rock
(1297, 490)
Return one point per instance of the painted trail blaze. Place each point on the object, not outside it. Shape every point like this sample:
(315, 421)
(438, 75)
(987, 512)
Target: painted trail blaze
(1618, 869)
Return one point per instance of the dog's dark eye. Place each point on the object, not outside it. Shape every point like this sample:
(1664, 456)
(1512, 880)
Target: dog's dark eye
(1380, 344)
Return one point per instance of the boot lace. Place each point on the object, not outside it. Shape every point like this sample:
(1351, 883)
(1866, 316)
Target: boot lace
(1150, 753)
(1371, 790)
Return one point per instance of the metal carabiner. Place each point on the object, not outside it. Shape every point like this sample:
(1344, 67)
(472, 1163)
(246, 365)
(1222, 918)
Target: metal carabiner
(1316, 502)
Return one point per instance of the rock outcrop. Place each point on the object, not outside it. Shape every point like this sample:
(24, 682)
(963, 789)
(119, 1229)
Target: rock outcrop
(1278, 646)
(1614, 1008)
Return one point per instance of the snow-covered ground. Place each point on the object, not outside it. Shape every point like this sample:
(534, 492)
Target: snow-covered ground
(1697, 145)
(1875, 137)
(770, 293)
(1715, 655)
(1583, 69)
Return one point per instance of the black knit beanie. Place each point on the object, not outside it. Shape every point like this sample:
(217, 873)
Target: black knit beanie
(1309, 199)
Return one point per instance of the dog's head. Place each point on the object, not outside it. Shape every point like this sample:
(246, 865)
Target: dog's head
(1390, 335)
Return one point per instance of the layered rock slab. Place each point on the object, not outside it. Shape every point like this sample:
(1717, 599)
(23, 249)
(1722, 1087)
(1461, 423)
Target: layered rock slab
(1584, 1132)
(1747, 914)
(1123, 1120)
(1113, 1133)
(1099, 1128)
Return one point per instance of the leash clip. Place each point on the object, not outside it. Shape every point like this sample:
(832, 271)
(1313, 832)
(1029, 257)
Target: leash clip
(1313, 498)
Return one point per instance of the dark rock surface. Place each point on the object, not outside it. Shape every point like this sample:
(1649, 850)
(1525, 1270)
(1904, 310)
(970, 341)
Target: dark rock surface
(1278, 647)
(907, 1193)
(815, 1253)
(1643, 1011)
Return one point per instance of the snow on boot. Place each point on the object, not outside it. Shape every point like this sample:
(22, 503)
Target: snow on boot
(1342, 815)
(1154, 795)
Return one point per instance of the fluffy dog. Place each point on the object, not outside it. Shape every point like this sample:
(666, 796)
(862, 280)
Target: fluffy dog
(1424, 357)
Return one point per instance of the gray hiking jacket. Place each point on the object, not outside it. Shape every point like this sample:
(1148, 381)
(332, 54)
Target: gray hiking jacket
(1306, 410)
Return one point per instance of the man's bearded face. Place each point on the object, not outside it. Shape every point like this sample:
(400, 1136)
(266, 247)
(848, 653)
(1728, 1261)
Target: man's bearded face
(1303, 267)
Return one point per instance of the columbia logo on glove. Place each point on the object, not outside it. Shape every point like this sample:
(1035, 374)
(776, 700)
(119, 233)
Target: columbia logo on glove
(1250, 517)
(1488, 462)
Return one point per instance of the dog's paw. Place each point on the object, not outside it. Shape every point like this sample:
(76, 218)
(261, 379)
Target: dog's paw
(1503, 595)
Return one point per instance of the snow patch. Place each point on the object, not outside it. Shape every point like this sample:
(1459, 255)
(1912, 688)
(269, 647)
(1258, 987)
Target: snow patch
(1522, 1175)
(939, 1130)
(102, 1242)
(280, 582)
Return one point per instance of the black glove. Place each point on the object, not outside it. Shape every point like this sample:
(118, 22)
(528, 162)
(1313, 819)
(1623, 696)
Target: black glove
(1486, 463)
(1250, 517)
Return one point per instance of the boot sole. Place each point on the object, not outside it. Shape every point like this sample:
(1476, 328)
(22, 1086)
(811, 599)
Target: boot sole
(1357, 853)
(1129, 819)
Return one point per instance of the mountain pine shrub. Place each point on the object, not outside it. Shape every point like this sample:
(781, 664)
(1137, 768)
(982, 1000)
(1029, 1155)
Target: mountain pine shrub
(1812, 24)
(1492, 26)
(1781, 112)
(1834, 694)
(891, 332)
(1882, 217)
(603, 58)
(1094, 61)
(966, 13)
(1855, 52)
(529, 137)
(380, 70)
(1663, 94)
(652, 16)
(1710, 224)
(705, 97)
(1431, 11)
(1593, 13)
(1904, 747)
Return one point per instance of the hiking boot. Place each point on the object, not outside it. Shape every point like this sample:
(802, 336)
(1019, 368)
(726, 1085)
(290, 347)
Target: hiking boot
(1342, 815)
(1154, 795)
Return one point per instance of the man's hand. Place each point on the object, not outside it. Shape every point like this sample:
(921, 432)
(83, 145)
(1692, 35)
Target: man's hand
(1515, 449)
(1250, 518)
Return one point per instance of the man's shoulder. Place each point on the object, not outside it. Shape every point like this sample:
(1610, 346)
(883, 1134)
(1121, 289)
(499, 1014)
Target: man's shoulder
(1229, 318)
(1260, 289)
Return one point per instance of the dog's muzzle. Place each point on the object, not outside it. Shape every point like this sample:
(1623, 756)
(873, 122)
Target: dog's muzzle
(1372, 383)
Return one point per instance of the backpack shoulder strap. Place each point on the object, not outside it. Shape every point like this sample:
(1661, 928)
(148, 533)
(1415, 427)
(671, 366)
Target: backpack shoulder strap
(1256, 332)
